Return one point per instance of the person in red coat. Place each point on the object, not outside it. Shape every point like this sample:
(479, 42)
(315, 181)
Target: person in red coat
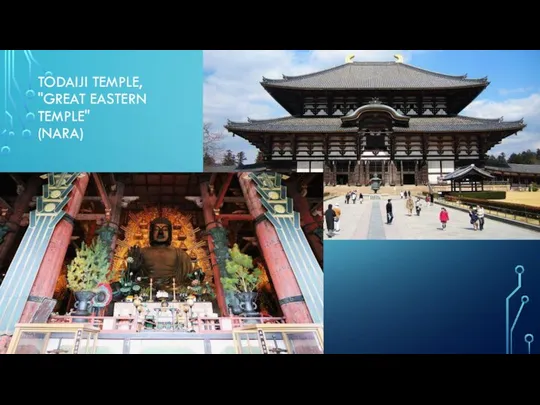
(443, 217)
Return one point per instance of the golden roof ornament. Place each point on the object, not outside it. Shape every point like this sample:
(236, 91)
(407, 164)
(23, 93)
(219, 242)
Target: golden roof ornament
(349, 58)
(399, 58)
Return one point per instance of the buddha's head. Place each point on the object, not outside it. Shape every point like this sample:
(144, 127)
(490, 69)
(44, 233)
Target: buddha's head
(160, 232)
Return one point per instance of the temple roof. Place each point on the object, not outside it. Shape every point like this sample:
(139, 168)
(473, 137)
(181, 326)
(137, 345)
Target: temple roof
(467, 171)
(515, 168)
(374, 75)
(334, 125)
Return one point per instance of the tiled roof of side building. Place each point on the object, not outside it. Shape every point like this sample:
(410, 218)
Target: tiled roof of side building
(374, 75)
(516, 168)
(467, 171)
(333, 125)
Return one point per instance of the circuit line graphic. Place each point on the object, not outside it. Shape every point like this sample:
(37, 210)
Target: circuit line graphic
(529, 338)
(16, 108)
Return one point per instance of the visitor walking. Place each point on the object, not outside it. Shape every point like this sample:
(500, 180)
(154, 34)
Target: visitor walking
(353, 197)
(443, 217)
(418, 206)
(389, 212)
(329, 216)
(481, 216)
(347, 197)
(361, 198)
(474, 218)
(409, 205)
(337, 222)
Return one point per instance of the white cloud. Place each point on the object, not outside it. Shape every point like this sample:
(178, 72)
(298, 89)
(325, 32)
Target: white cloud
(232, 91)
(512, 109)
(506, 92)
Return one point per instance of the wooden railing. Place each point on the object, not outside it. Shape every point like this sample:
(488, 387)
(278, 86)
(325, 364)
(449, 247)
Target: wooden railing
(127, 324)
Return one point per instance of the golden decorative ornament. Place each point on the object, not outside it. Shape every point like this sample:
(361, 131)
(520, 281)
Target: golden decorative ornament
(50, 207)
(280, 209)
(56, 194)
(273, 195)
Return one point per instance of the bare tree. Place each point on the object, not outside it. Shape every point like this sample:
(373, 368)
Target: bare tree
(212, 147)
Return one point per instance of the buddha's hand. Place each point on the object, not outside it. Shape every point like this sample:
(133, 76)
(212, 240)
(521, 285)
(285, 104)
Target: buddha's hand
(134, 259)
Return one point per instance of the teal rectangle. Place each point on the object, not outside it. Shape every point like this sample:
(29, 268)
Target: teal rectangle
(165, 134)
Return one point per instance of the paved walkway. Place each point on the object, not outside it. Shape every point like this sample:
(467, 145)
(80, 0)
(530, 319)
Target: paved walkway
(368, 221)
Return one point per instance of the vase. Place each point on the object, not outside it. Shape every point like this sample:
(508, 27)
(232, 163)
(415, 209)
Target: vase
(247, 303)
(83, 305)
(234, 305)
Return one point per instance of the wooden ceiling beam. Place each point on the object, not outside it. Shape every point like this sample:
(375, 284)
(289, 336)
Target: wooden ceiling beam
(236, 217)
(213, 178)
(103, 193)
(5, 205)
(18, 179)
(90, 217)
(223, 191)
(308, 178)
(82, 217)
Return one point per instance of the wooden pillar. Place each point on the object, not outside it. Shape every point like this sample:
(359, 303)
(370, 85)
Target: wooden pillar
(210, 222)
(292, 303)
(116, 211)
(401, 172)
(361, 180)
(19, 209)
(220, 294)
(309, 225)
(368, 173)
(91, 233)
(52, 263)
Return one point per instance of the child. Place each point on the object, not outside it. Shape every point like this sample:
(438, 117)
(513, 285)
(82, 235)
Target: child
(418, 206)
(443, 217)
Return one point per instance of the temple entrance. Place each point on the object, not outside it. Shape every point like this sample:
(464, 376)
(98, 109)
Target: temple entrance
(408, 172)
(342, 179)
(344, 169)
(408, 179)
(376, 169)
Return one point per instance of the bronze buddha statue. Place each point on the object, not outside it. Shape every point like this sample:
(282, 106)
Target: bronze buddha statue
(160, 261)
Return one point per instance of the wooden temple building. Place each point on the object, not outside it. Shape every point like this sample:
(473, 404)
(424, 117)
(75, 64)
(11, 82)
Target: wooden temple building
(353, 121)
(275, 219)
(515, 174)
(468, 178)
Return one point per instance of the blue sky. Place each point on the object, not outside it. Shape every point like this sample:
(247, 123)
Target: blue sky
(232, 90)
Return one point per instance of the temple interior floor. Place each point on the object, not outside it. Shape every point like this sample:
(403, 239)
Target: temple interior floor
(368, 221)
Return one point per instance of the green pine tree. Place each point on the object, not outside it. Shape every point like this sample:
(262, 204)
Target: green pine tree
(241, 158)
(229, 159)
(242, 276)
(90, 266)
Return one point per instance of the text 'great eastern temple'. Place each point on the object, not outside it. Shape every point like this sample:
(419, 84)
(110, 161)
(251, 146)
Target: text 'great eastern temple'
(359, 119)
